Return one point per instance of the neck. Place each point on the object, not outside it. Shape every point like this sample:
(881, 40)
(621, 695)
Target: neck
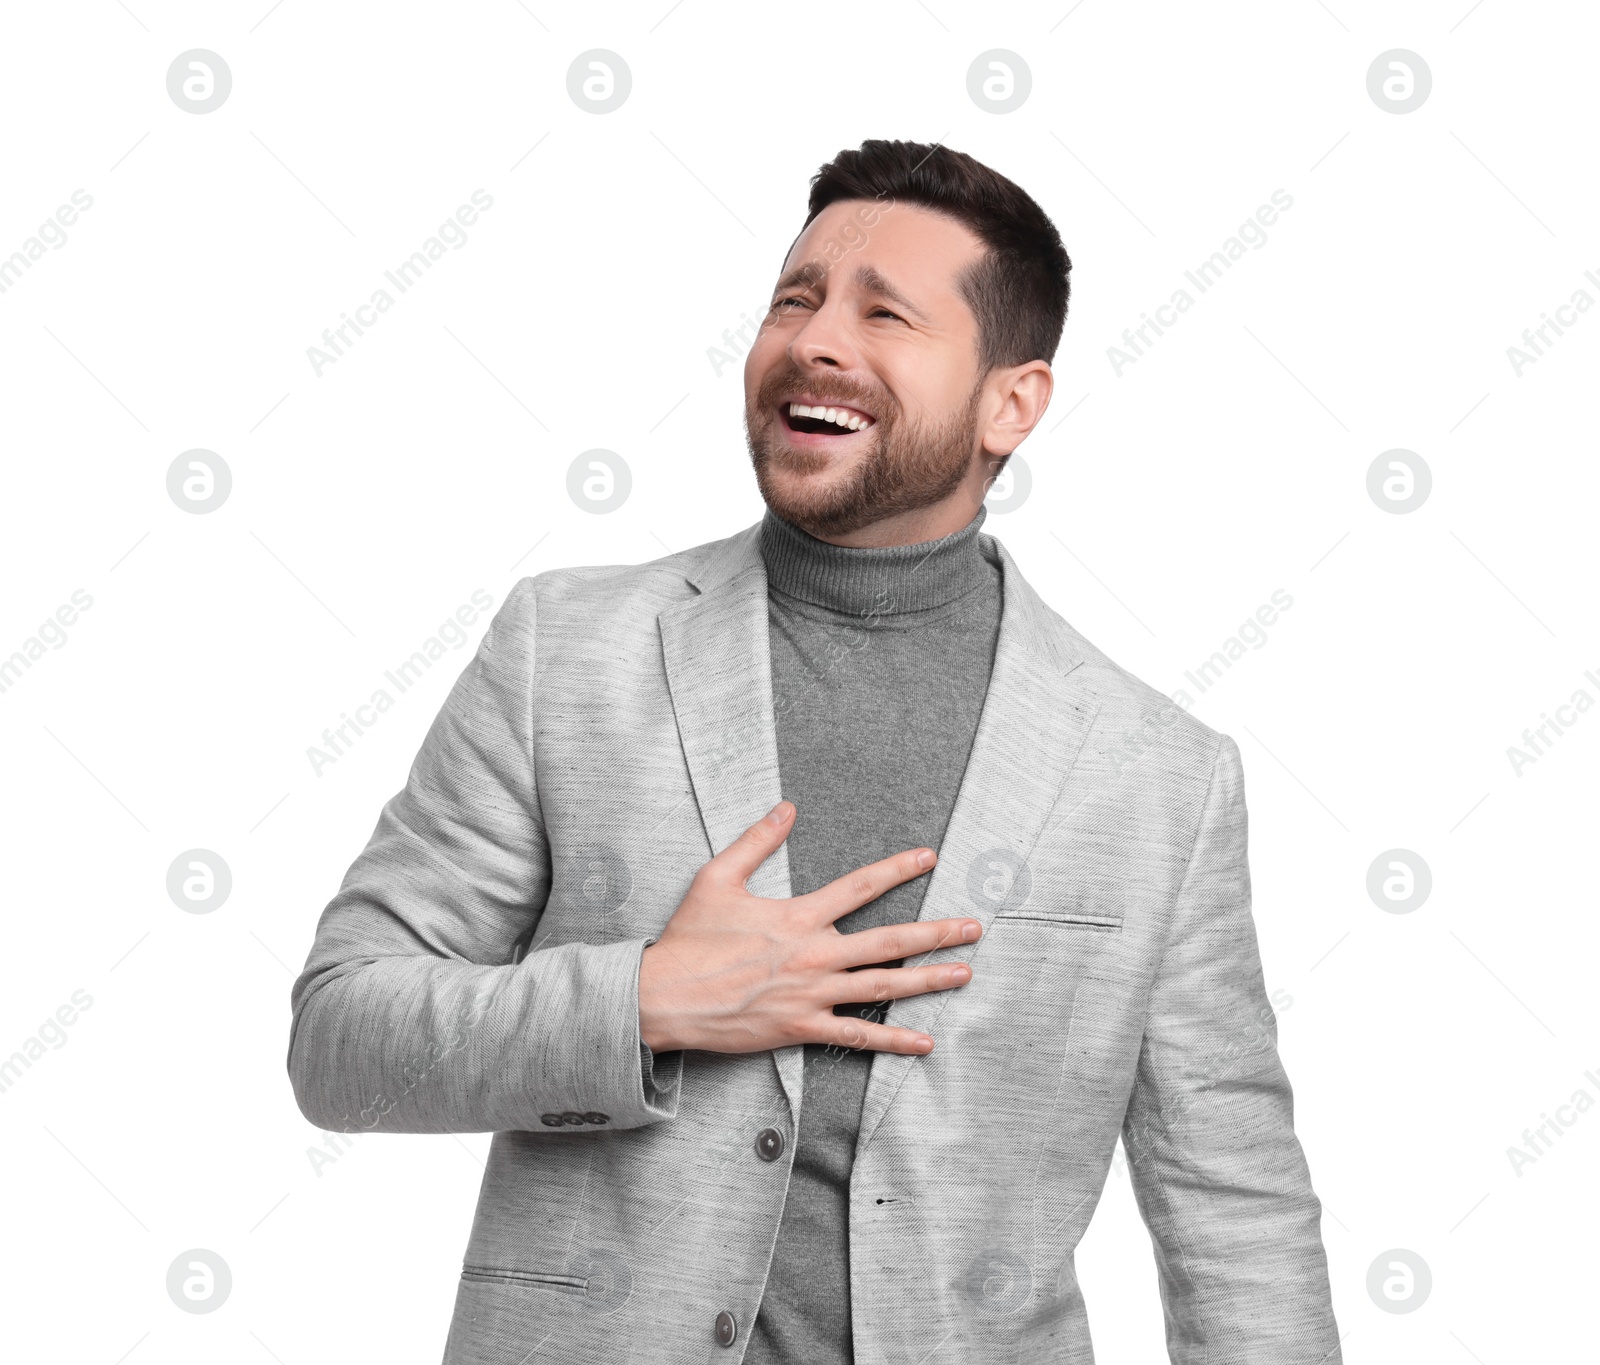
(903, 577)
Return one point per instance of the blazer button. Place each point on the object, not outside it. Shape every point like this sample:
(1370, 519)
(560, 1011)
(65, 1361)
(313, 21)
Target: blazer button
(597, 1118)
(727, 1328)
(769, 1144)
(551, 1120)
(568, 1116)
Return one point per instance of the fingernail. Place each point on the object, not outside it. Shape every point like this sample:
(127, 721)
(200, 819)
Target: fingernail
(778, 813)
(925, 858)
(923, 1044)
(970, 932)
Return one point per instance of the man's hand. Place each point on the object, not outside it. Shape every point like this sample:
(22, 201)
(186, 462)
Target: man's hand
(735, 972)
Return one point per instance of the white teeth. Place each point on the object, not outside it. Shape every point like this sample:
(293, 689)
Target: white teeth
(838, 416)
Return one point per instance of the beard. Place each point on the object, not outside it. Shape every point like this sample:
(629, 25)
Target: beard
(907, 465)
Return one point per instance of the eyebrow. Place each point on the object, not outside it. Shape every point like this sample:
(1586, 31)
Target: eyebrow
(801, 276)
(874, 283)
(867, 277)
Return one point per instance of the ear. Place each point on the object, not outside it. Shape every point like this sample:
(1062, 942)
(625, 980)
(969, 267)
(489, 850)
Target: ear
(1017, 397)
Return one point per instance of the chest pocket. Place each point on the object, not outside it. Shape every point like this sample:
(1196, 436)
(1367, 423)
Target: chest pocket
(1057, 884)
(1069, 916)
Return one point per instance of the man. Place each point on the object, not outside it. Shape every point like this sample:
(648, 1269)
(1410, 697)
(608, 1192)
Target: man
(702, 855)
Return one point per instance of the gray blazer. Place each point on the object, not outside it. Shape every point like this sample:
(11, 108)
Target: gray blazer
(478, 972)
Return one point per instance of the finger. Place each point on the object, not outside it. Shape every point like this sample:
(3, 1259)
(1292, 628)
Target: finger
(745, 854)
(895, 983)
(850, 1034)
(855, 889)
(892, 942)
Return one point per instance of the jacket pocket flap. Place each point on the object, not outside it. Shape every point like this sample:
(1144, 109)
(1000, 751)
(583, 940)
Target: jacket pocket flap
(573, 1284)
(1065, 915)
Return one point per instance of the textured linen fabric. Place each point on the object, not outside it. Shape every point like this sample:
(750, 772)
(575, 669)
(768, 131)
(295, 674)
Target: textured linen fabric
(880, 662)
(477, 971)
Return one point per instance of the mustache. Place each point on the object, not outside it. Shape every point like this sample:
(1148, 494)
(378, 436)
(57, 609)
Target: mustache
(776, 387)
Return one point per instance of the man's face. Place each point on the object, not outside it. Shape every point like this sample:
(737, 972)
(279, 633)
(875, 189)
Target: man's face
(866, 320)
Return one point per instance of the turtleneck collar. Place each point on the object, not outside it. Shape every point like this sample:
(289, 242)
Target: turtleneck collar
(882, 580)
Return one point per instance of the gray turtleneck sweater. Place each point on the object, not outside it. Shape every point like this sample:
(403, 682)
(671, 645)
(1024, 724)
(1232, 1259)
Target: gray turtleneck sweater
(880, 665)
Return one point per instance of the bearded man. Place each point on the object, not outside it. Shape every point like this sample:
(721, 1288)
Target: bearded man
(703, 856)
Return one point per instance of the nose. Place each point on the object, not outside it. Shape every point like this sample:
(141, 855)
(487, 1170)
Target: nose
(825, 342)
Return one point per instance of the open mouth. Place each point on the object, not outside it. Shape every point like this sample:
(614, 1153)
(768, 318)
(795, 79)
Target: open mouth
(823, 419)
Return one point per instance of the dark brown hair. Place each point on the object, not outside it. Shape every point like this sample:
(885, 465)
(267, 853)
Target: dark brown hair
(1019, 290)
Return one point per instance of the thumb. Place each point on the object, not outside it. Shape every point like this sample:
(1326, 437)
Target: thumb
(745, 854)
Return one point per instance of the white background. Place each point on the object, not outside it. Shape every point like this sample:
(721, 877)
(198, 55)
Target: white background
(1169, 501)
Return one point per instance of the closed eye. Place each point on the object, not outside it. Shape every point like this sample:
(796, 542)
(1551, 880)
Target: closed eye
(886, 313)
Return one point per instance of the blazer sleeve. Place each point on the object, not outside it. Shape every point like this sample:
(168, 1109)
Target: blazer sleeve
(1220, 1178)
(411, 1015)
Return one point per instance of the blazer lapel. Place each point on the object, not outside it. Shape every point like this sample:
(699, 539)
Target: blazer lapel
(719, 671)
(1034, 721)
